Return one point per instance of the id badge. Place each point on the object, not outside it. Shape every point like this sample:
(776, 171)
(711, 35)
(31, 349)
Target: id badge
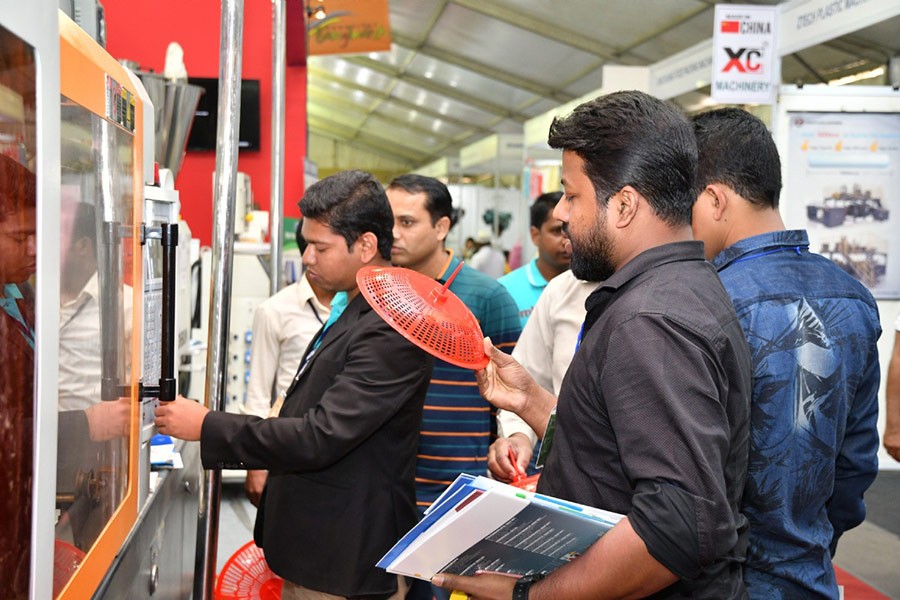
(547, 440)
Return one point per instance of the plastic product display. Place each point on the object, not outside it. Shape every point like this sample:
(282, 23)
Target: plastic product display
(66, 560)
(866, 263)
(426, 313)
(855, 204)
(247, 575)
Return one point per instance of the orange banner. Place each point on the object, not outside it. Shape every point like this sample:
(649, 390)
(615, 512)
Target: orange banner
(348, 26)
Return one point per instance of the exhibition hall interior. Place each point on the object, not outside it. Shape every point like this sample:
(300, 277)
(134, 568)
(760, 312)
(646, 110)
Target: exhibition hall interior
(219, 379)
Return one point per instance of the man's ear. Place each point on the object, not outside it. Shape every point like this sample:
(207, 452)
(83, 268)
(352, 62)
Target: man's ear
(717, 196)
(535, 233)
(443, 227)
(368, 246)
(625, 206)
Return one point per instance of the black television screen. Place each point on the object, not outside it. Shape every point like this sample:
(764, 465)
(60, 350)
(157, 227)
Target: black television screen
(203, 131)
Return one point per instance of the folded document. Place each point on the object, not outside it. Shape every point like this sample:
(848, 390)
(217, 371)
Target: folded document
(479, 524)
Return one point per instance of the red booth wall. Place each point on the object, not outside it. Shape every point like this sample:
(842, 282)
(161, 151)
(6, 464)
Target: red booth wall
(141, 31)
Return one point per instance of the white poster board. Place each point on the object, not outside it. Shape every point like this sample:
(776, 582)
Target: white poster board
(842, 183)
(800, 183)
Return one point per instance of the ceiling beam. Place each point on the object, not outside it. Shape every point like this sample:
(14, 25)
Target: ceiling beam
(436, 88)
(481, 69)
(352, 135)
(807, 67)
(325, 132)
(337, 101)
(621, 52)
(315, 73)
(539, 27)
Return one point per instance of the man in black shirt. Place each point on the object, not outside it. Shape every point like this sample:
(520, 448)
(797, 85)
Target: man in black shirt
(652, 418)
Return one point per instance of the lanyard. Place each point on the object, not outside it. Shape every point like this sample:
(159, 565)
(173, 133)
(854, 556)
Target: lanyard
(766, 253)
(338, 304)
(9, 303)
(312, 307)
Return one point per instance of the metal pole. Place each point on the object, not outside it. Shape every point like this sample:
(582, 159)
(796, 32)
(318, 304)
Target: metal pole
(276, 203)
(229, 110)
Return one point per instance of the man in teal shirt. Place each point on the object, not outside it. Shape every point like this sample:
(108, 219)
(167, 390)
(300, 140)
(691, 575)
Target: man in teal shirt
(526, 283)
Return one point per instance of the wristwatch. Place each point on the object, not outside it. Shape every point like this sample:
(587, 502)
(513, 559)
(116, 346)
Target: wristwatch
(523, 584)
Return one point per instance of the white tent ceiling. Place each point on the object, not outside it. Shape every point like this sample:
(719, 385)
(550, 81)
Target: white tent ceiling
(460, 70)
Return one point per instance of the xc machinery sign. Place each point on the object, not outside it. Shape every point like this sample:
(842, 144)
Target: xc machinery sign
(745, 61)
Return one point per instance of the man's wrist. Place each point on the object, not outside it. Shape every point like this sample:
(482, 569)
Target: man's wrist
(523, 586)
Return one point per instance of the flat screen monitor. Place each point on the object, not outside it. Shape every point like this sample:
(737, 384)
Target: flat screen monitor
(203, 131)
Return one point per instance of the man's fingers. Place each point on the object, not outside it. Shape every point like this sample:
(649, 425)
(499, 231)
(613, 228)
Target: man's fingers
(445, 581)
(498, 460)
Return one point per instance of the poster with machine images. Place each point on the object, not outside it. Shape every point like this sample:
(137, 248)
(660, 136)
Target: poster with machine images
(844, 168)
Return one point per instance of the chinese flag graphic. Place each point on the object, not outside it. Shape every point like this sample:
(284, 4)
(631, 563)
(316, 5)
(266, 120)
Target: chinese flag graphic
(731, 26)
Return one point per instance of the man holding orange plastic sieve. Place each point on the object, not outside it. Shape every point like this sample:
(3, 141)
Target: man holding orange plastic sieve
(341, 453)
(652, 416)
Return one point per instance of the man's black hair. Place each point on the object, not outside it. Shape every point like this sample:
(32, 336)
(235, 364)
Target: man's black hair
(352, 203)
(632, 138)
(18, 187)
(438, 202)
(542, 208)
(298, 234)
(736, 149)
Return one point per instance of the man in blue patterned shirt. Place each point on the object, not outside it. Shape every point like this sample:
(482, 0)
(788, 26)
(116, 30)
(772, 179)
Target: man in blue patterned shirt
(812, 331)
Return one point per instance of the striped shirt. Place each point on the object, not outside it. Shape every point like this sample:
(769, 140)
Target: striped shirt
(458, 425)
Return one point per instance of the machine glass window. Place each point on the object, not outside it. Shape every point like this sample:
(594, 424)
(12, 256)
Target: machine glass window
(95, 350)
(18, 247)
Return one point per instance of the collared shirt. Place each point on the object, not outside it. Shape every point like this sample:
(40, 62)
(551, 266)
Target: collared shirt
(458, 424)
(812, 331)
(10, 296)
(653, 415)
(81, 345)
(283, 326)
(525, 285)
(547, 343)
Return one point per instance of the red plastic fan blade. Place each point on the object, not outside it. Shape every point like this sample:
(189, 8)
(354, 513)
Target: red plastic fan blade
(426, 313)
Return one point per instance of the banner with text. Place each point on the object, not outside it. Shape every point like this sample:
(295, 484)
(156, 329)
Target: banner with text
(349, 27)
(745, 58)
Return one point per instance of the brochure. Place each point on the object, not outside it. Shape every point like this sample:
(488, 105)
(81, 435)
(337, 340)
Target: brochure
(482, 524)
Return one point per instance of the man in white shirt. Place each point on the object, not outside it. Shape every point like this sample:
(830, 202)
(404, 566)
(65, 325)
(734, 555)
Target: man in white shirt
(80, 340)
(487, 259)
(545, 349)
(892, 398)
(80, 335)
(283, 326)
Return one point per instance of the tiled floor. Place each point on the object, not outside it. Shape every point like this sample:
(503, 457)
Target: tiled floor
(236, 519)
(871, 552)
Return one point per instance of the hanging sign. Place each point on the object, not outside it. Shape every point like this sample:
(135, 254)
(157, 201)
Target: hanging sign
(348, 26)
(745, 58)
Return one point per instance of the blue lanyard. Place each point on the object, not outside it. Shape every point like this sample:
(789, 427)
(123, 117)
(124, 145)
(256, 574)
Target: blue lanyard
(9, 302)
(338, 304)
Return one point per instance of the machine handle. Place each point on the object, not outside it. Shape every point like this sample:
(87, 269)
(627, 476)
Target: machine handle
(167, 386)
(110, 284)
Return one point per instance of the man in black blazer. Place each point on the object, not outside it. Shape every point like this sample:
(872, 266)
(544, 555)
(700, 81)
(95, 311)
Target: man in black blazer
(341, 455)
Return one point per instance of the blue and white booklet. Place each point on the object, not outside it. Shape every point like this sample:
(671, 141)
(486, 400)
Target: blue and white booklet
(479, 524)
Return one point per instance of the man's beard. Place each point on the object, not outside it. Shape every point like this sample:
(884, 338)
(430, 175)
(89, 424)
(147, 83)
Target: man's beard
(592, 254)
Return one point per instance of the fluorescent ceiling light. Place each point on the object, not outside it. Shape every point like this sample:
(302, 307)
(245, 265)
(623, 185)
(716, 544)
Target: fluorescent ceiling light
(858, 77)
